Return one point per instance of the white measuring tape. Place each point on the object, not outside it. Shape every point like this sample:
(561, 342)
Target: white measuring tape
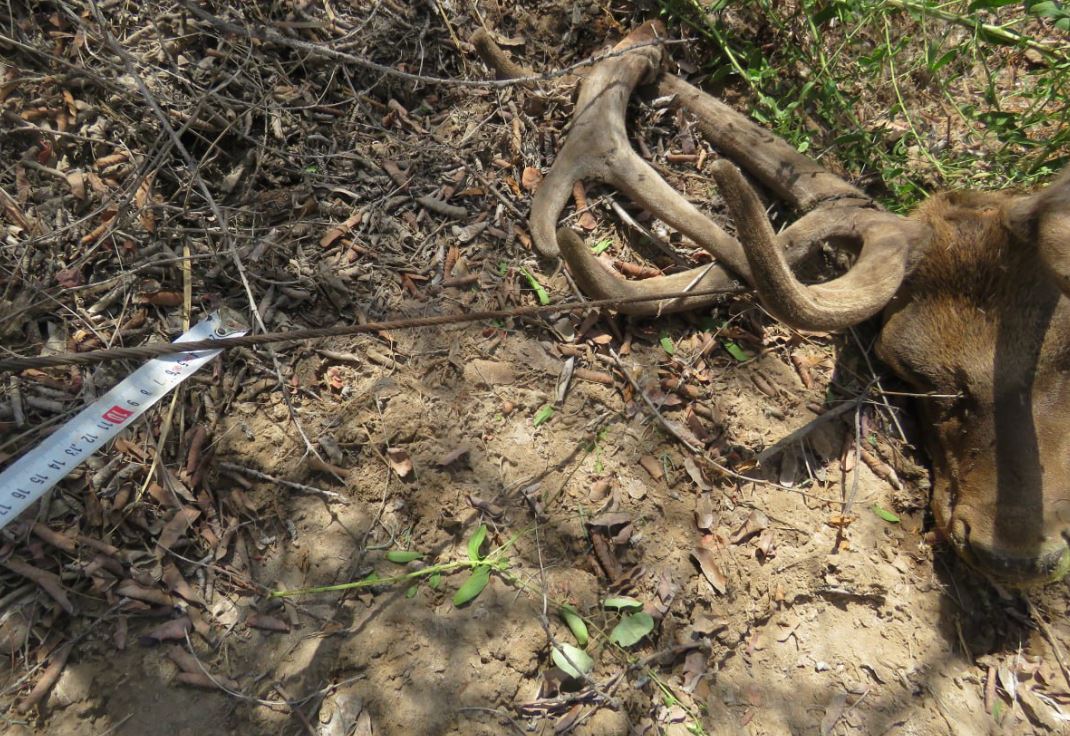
(29, 477)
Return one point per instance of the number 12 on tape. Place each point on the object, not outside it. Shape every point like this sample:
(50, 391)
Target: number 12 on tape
(29, 477)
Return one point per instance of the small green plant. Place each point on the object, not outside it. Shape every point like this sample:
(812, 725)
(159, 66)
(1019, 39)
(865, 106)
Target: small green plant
(481, 568)
(913, 95)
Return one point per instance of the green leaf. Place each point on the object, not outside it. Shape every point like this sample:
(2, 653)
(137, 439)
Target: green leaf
(411, 592)
(943, 60)
(622, 603)
(542, 416)
(1047, 8)
(573, 661)
(736, 351)
(601, 246)
(667, 346)
(475, 542)
(401, 556)
(983, 4)
(540, 292)
(473, 586)
(885, 514)
(435, 580)
(575, 624)
(631, 629)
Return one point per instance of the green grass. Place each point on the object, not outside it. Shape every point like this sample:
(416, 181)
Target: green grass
(902, 96)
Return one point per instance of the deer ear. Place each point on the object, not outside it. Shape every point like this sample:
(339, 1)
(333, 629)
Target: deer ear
(1045, 218)
(1024, 213)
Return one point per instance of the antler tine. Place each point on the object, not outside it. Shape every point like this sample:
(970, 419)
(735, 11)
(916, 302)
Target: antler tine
(793, 177)
(595, 278)
(597, 147)
(888, 242)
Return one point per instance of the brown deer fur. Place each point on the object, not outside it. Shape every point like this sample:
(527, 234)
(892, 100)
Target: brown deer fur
(982, 316)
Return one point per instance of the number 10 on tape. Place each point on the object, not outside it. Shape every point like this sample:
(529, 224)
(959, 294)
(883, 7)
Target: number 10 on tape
(29, 477)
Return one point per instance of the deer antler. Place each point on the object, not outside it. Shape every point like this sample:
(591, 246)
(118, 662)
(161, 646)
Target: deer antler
(598, 147)
(887, 243)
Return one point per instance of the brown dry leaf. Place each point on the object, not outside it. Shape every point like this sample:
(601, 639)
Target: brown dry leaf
(174, 529)
(694, 669)
(610, 520)
(14, 212)
(695, 474)
(173, 630)
(69, 99)
(76, 181)
(586, 219)
(47, 679)
(203, 681)
(183, 659)
(138, 592)
(568, 720)
(177, 584)
(45, 154)
(452, 456)
(106, 217)
(399, 461)
(337, 231)
(267, 623)
(489, 372)
(47, 581)
(833, 712)
(651, 465)
(705, 519)
(710, 569)
(56, 539)
(143, 199)
(322, 466)
(488, 507)
(767, 543)
(755, 522)
(531, 178)
(110, 160)
(160, 299)
(840, 521)
(162, 496)
(333, 378)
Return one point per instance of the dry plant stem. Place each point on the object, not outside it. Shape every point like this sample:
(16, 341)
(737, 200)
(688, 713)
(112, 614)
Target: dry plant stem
(326, 495)
(48, 678)
(1046, 630)
(191, 163)
(322, 51)
(262, 701)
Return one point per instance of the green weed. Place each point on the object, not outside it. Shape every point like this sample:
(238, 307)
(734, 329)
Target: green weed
(900, 96)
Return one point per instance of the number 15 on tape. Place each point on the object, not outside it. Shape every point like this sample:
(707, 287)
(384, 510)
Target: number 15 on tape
(29, 477)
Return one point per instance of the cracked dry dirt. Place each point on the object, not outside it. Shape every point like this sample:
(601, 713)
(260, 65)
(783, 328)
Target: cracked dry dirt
(829, 619)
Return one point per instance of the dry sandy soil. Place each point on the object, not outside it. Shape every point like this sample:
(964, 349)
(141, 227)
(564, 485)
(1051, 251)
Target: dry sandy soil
(826, 605)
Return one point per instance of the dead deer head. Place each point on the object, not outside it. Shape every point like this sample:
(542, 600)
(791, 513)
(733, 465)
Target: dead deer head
(973, 289)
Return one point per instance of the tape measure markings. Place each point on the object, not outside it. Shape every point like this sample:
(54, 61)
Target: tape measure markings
(32, 475)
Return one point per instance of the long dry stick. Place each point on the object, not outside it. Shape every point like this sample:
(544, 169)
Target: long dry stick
(168, 348)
